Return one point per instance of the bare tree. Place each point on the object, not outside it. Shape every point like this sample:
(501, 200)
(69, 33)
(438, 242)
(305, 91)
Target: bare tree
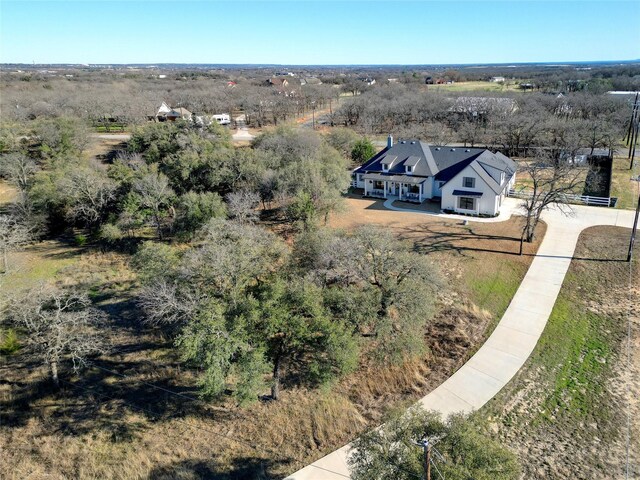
(13, 235)
(90, 192)
(242, 206)
(18, 169)
(552, 183)
(155, 194)
(165, 304)
(60, 325)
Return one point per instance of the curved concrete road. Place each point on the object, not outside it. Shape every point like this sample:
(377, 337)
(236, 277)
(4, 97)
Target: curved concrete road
(515, 336)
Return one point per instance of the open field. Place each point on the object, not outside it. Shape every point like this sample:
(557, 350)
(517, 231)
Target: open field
(565, 413)
(110, 426)
(476, 86)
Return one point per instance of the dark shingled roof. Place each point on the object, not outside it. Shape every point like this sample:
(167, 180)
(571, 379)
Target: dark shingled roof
(428, 161)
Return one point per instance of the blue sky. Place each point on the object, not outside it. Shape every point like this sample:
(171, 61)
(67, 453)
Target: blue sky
(309, 32)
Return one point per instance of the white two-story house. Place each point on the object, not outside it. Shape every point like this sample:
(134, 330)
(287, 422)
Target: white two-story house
(464, 180)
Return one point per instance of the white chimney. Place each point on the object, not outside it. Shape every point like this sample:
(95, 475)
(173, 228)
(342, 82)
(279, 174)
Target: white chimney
(389, 141)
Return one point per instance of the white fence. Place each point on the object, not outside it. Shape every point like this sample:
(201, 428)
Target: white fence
(580, 199)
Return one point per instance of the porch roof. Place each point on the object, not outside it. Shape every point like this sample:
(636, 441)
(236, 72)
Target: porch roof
(394, 178)
(463, 193)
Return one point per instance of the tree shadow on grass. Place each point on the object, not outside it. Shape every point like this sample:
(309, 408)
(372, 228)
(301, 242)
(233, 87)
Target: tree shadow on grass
(429, 238)
(104, 398)
(242, 468)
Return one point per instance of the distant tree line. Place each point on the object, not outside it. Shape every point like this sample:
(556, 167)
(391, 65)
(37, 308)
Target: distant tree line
(514, 124)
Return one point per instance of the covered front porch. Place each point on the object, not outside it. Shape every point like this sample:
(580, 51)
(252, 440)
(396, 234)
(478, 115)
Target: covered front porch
(402, 187)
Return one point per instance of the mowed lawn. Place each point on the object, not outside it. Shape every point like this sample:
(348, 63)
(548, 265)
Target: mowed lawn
(622, 187)
(105, 425)
(566, 412)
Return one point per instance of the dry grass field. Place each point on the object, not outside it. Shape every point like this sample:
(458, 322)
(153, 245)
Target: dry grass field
(134, 413)
(7, 193)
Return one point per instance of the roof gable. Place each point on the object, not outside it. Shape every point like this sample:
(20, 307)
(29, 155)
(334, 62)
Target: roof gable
(443, 163)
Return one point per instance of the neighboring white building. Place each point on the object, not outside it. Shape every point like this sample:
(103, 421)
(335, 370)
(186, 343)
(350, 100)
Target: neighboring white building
(167, 113)
(472, 181)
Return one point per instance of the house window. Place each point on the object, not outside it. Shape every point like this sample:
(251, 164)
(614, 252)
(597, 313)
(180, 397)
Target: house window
(385, 167)
(414, 189)
(468, 182)
(378, 185)
(466, 203)
(409, 169)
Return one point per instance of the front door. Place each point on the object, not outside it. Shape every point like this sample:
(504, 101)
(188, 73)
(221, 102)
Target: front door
(391, 190)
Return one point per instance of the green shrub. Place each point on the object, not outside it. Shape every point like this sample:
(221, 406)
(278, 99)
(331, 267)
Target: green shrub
(80, 240)
(9, 343)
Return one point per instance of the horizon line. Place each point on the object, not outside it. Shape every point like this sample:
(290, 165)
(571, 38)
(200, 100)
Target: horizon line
(558, 63)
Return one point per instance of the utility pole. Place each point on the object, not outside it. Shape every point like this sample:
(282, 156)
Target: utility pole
(632, 134)
(426, 446)
(635, 143)
(627, 137)
(635, 224)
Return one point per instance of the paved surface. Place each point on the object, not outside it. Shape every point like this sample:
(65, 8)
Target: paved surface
(242, 134)
(515, 337)
(509, 207)
(112, 136)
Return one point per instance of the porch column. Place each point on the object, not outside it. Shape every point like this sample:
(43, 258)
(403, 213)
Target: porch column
(385, 189)
(365, 187)
(420, 193)
(400, 192)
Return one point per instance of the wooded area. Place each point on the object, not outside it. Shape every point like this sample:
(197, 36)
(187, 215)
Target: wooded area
(234, 270)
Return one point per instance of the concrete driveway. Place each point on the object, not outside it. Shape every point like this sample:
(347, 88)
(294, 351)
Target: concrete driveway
(242, 134)
(516, 335)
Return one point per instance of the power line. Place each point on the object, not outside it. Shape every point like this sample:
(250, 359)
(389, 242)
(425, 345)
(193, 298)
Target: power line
(189, 425)
(253, 447)
(188, 397)
(201, 401)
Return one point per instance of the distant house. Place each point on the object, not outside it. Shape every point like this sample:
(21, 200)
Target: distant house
(284, 86)
(471, 181)
(171, 114)
(584, 156)
(368, 80)
(310, 81)
(428, 80)
(497, 79)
